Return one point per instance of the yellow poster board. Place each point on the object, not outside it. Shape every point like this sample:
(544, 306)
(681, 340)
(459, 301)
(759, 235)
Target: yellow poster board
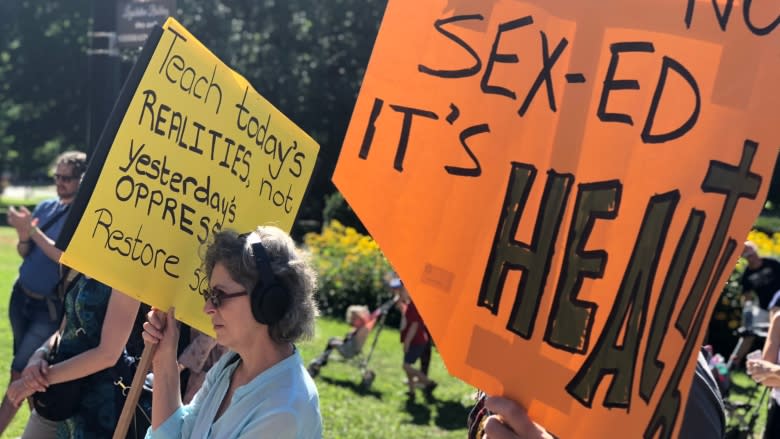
(564, 187)
(197, 150)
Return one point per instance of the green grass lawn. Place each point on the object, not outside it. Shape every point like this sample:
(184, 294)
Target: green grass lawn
(744, 390)
(9, 265)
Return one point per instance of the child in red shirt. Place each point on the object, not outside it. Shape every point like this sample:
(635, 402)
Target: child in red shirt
(415, 339)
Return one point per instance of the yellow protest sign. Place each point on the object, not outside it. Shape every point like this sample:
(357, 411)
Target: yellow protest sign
(564, 187)
(191, 148)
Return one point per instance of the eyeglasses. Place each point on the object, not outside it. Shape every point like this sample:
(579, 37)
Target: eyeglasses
(65, 178)
(216, 296)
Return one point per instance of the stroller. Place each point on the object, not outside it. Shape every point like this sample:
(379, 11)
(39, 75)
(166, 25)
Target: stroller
(351, 345)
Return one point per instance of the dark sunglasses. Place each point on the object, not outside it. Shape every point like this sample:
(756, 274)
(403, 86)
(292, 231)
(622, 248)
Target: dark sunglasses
(216, 296)
(65, 178)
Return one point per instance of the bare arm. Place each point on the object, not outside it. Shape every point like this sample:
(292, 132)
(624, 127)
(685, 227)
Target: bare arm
(161, 330)
(772, 344)
(45, 243)
(118, 323)
(766, 371)
(120, 316)
(27, 228)
(37, 368)
(18, 219)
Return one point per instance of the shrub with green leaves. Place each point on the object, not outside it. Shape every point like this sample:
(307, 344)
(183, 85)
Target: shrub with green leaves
(351, 267)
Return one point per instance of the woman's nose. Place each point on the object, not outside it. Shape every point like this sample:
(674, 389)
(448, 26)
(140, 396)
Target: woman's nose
(209, 307)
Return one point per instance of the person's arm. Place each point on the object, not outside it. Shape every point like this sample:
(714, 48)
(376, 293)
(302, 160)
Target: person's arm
(180, 423)
(161, 330)
(118, 322)
(33, 377)
(772, 343)
(18, 219)
(26, 225)
(117, 325)
(46, 244)
(766, 371)
(38, 365)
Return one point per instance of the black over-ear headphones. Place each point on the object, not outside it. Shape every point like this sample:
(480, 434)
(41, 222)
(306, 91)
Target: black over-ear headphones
(270, 300)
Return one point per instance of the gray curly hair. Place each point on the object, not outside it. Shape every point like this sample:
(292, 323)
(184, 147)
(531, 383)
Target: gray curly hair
(290, 267)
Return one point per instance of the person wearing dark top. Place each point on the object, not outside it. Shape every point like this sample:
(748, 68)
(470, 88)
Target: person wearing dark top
(761, 276)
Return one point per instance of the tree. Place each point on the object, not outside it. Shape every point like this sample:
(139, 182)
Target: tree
(42, 86)
(306, 57)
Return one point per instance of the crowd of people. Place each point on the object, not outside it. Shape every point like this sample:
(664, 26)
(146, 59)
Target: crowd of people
(250, 381)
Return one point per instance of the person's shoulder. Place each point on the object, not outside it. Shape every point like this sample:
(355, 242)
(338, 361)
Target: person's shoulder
(47, 203)
(771, 260)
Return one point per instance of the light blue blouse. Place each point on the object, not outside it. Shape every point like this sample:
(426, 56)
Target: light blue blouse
(281, 402)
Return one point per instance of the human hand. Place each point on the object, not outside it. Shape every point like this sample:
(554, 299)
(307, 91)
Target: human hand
(760, 370)
(510, 421)
(35, 374)
(162, 330)
(20, 218)
(18, 391)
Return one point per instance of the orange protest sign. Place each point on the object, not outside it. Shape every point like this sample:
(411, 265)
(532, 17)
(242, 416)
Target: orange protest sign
(564, 187)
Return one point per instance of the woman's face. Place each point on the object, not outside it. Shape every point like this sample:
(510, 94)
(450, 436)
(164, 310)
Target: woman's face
(232, 321)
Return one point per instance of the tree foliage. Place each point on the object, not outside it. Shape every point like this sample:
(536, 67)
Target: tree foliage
(42, 82)
(306, 57)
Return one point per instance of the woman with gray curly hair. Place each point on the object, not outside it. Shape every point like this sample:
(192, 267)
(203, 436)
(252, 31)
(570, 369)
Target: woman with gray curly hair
(260, 301)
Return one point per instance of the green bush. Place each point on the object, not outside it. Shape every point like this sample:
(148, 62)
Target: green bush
(351, 267)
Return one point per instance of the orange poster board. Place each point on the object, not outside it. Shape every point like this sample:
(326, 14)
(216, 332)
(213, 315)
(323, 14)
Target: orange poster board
(564, 187)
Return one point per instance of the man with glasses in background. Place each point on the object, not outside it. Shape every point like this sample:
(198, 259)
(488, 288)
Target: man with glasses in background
(35, 309)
